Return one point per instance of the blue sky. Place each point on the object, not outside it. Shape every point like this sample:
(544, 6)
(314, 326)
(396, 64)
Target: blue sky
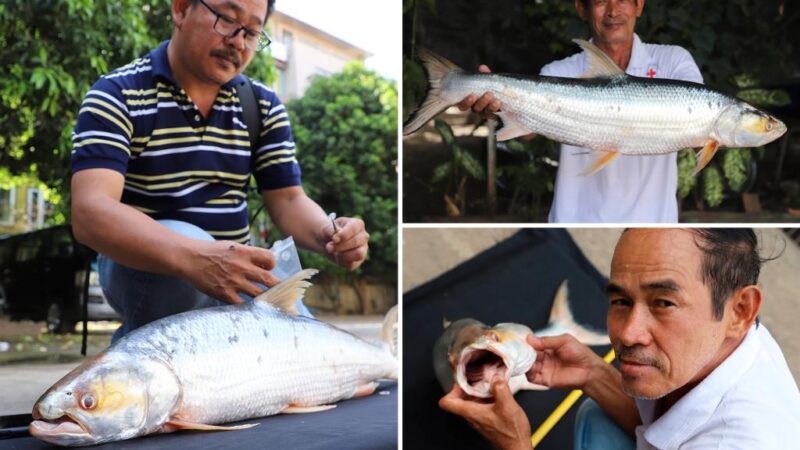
(375, 26)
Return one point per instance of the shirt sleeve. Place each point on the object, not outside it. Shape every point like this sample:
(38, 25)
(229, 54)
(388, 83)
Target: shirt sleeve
(685, 68)
(102, 135)
(274, 163)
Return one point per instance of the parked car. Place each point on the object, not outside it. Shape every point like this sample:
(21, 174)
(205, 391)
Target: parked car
(42, 276)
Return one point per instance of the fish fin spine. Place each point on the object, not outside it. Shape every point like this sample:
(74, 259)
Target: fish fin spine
(600, 65)
(285, 294)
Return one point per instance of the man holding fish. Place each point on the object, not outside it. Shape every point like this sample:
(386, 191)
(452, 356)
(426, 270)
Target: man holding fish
(161, 167)
(697, 369)
(632, 189)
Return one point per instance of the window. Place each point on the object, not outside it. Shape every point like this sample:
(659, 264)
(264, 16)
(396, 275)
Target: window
(7, 197)
(35, 209)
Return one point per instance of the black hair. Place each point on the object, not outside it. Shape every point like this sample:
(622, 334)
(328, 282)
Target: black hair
(731, 261)
(270, 8)
(588, 3)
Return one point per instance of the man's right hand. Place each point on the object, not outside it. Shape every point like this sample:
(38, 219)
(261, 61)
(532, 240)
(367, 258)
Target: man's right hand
(222, 269)
(562, 362)
(485, 105)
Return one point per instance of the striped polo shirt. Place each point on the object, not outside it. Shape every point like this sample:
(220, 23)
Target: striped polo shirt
(178, 165)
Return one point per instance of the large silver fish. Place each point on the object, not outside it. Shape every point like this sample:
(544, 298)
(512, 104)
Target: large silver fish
(608, 111)
(206, 367)
(471, 354)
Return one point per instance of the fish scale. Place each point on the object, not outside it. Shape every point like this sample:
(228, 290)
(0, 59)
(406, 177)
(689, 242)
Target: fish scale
(202, 368)
(606, 111)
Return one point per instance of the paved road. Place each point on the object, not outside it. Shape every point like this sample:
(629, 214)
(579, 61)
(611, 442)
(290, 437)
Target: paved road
(22, 383)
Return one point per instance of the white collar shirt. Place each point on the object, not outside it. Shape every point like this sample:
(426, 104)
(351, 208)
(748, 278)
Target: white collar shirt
(750, 401)
(630, 189)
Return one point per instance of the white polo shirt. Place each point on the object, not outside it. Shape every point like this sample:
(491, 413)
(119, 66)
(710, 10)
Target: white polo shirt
(750, 401)
(630, 189)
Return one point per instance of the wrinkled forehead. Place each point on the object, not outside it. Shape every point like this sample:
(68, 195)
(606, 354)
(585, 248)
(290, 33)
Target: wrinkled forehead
(657, 251)
(251, 11)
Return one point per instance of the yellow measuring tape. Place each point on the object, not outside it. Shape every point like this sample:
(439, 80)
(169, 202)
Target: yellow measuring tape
(561, 409)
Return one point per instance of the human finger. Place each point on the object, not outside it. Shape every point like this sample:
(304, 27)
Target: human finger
(467, 102)
(483, 68)
(360, 239)
(482, 102)
(262, 257)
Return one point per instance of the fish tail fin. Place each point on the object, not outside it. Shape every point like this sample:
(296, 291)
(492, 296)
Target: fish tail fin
(436, 67)
(561, 319)
(285, 294)
(389, 331)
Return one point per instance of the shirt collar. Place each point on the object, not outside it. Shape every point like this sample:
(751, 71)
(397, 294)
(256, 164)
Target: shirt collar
(159, 60)
(699, 404)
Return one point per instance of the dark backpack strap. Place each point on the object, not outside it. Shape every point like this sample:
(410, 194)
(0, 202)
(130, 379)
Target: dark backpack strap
(252, 118)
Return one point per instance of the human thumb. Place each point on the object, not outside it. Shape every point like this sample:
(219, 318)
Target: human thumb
(483, 68)
(500, 389)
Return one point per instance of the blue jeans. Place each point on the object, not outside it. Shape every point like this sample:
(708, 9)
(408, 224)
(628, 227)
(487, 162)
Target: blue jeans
(142, 297)
(595, 430)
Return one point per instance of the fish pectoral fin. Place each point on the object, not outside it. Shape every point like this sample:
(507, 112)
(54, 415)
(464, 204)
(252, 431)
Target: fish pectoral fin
(600, 162)
(365, 390)
(177, 424)
(295, 409)
(508, 128)
(284, 294)
(705, 154)
(600, 65)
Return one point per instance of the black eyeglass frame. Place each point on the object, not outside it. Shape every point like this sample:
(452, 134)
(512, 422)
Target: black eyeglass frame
(263, 38)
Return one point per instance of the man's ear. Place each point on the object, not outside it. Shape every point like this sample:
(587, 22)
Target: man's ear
(639, 7)
(581, 10)
(179, 10)
(744, 306)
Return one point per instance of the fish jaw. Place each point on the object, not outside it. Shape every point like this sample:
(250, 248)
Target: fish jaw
(502, 351)
(130, 396)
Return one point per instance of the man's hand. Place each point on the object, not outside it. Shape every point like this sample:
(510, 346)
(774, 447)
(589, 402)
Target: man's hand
(485, 105)
(562, 362)
(348, 246)
(222, 269)
(500, 419)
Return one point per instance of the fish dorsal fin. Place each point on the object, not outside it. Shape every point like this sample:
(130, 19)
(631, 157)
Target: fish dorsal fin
(562, 321)
(286, 293)
(600, 65)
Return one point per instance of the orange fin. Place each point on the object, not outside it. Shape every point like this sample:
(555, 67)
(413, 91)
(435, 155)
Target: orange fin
(600, 162)
(183, 425)
(365, 390)
(292, 409)
(705, 155)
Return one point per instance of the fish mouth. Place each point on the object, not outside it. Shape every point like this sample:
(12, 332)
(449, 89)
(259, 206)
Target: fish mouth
(477, 369)
(56, 431)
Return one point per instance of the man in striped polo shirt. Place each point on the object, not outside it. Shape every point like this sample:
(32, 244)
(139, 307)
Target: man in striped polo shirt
(161, 163)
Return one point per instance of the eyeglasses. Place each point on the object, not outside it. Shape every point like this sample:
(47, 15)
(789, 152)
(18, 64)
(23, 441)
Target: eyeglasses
(228, 27)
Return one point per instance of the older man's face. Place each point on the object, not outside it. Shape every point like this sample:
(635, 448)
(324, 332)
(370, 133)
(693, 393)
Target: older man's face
(612, 21)
(660, 318)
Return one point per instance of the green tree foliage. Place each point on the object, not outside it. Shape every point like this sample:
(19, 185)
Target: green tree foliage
(345, 128)
(53, 51)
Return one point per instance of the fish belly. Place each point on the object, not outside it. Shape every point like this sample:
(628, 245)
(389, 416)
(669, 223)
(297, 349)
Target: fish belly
(237, 362)
(625, 115)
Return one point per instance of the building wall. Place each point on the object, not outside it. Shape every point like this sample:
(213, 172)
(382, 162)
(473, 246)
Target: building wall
(21, 209)
(302, 51)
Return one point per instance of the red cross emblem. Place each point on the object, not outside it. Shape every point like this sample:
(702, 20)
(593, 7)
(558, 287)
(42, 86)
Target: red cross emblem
(651, 73)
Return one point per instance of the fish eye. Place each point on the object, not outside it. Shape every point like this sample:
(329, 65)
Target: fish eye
(769, 125)
(88, 401)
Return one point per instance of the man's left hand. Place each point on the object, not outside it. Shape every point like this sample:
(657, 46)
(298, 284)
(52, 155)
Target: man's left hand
(500, 419)
(348, 246)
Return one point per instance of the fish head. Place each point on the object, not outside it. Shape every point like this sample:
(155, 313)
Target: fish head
(447, 349)
(741, 125)
(501, 350)
(105, 399)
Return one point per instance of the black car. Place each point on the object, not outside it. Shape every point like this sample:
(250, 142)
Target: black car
(42, 275)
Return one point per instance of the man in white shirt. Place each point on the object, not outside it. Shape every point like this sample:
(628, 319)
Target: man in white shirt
(631, 189)
(697, 370)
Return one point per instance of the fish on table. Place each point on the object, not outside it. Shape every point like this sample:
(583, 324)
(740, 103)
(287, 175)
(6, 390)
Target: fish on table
(471, 354)
(606, 110)
(202, 368)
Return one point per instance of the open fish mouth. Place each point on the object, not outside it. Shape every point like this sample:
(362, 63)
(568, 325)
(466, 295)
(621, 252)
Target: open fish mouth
(58, 430)
(477, 369)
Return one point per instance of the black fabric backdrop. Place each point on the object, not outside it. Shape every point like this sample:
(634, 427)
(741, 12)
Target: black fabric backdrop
(514, 281)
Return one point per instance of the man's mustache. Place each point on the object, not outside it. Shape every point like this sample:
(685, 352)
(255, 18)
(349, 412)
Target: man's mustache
(227, 54)
(636, 354)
